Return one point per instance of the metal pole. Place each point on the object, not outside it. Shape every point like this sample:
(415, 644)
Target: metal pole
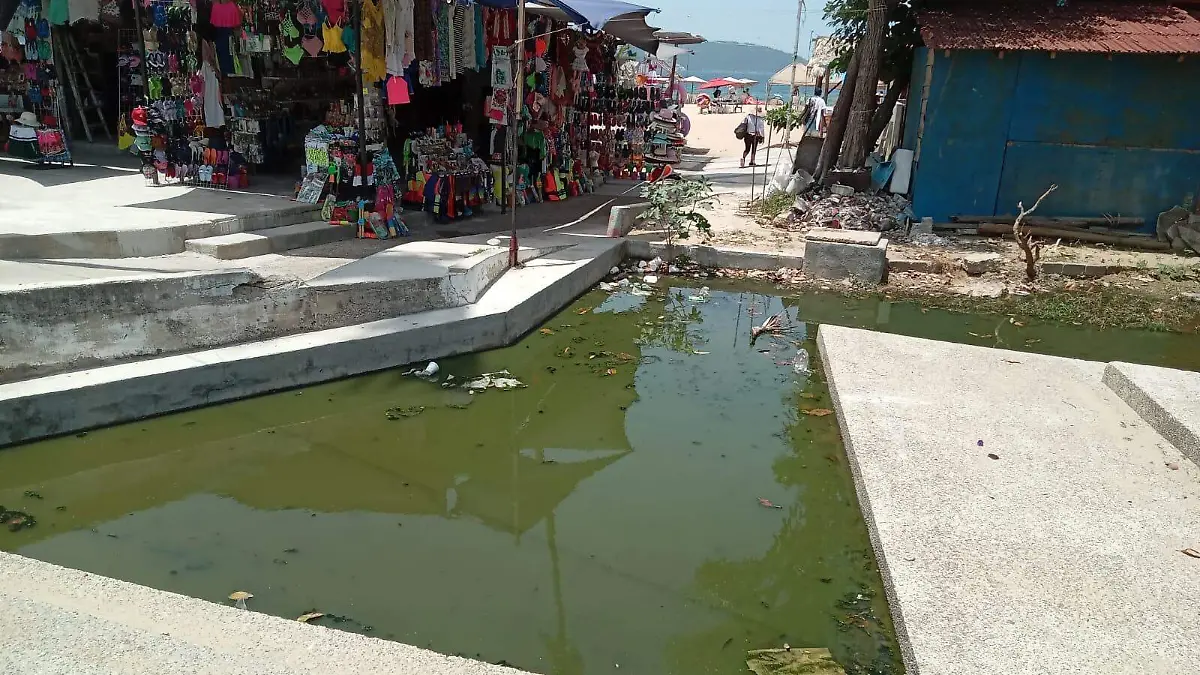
(671, 84)
(359, 94)
(787, 128)
(767, 161)
(519, 72)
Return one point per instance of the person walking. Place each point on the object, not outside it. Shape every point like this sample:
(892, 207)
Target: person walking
(815, 113)
(756, 130)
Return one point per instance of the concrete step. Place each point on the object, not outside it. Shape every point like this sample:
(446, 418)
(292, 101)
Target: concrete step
(270, 240)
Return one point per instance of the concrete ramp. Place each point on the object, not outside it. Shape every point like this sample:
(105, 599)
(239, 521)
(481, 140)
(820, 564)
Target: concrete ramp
(1025, 519)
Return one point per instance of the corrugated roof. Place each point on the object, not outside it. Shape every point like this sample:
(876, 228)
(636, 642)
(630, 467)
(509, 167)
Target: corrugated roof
(1081, 26)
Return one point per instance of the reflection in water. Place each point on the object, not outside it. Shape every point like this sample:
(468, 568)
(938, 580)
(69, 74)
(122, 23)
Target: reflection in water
(607, 514)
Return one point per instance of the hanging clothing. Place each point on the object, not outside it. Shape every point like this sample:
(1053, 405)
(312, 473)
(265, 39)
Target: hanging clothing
(458, 21)
(83, 10)
(226, 15)
(401, 29)
(468, 37)
(424, 41)
(214, 114)
(57, 12)
(331, 35)
(335, 10)
(445, 42)
(481, 50)
(374, 64)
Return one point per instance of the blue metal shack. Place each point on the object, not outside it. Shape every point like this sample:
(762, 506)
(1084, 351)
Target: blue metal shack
(1100, 98)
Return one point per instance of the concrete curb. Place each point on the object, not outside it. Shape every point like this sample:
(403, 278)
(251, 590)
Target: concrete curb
(516, 303)
(270, 240)
(87, 623)
(148, 292)
(903, 639)
(1131, 383)
(709, 256)
(622, 219)
(147, 241)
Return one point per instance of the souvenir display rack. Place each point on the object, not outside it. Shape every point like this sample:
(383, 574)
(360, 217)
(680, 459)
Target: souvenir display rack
(31, 95)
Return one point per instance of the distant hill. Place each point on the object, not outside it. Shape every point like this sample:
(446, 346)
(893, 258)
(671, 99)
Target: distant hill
(735, 59)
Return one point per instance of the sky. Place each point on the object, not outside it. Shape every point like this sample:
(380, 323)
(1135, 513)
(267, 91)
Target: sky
(764, 22)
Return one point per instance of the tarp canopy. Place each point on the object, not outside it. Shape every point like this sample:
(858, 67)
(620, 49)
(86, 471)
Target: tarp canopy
(805, 76)
(598, 13)
(622, 20)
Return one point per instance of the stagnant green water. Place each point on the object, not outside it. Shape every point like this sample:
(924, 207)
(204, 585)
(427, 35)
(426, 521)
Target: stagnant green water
(608, 514)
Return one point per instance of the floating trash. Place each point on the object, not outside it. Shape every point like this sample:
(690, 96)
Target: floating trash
(401, 413)
(16, 520)
(239, 598)
(800, 363)
(498, 380)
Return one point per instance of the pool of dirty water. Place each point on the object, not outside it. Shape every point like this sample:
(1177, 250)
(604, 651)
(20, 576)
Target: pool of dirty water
(661, 496)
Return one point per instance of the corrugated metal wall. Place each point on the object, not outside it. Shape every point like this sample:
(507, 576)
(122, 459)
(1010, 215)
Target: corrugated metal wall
(1119, 136)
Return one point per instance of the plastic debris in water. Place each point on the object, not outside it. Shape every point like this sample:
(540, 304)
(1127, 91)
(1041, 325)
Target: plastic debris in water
(767, 503)
(700, 296)
(430, 370)
(800, 363)
(240, 598)
(498, 380)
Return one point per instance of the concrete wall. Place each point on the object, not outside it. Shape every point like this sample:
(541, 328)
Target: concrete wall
(1117, 136)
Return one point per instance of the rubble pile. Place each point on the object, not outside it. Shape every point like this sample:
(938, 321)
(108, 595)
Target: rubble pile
(1180, 228)
(858, 211)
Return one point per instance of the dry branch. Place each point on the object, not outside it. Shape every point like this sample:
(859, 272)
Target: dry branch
(1032, 250)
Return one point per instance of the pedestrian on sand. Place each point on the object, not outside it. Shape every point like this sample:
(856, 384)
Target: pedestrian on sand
(756, 129)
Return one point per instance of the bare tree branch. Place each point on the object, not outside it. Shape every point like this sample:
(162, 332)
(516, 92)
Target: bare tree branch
(1031, 250)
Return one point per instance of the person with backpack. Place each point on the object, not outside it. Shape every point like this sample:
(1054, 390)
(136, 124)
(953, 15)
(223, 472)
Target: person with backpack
(752, 131)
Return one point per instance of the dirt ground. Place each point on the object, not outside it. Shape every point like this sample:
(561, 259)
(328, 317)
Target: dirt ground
(1158, 290)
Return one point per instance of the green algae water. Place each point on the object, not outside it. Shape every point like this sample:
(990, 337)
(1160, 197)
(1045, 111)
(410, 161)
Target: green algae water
(662, 496)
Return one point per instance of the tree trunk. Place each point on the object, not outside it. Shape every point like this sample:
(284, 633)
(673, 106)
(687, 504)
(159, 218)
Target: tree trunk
(883, 114)
(854, 150)
(837, 122)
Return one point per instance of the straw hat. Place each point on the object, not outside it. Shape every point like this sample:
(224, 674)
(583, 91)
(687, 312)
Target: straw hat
(29, 119)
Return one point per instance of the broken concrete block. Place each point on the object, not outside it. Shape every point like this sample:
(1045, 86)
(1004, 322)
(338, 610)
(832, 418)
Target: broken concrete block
(981, 263)
(1172, 216)
(841, 190)
(845, 254)
(836, 236)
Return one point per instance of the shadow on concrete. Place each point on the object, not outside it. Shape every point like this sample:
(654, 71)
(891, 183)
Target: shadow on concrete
(115, 265)
(53, 176)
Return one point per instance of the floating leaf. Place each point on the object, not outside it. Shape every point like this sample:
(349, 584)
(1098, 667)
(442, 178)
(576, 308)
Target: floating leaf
(611, 371)
(546, 331)
(978, 335)
(565, 353)
(585, 310)
(305, 618)
(818, 412)
(240, 595)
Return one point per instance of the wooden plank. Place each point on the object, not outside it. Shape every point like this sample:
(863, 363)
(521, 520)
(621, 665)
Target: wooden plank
(1144, 243)
(1054, 221)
